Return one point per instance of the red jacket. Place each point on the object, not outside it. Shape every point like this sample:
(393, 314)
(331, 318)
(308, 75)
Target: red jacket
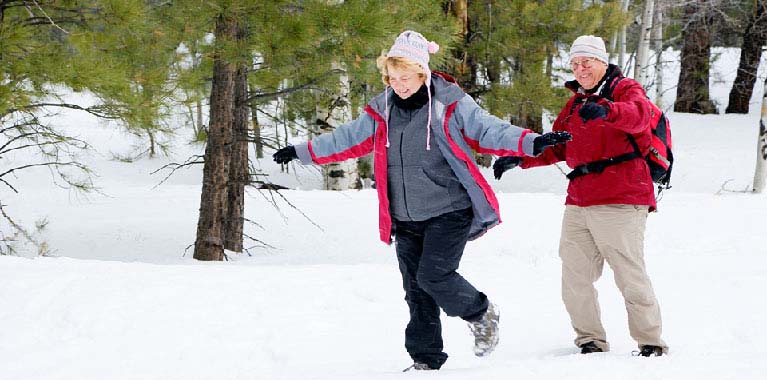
(629, 112)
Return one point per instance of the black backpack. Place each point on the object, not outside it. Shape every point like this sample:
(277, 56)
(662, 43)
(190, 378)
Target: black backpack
(660, 159)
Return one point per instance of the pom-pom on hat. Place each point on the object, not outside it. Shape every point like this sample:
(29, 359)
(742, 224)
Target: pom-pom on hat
(590, 47)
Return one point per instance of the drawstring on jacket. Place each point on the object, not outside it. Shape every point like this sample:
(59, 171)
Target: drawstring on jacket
(428, 119)
(414, 102)
(386, 113)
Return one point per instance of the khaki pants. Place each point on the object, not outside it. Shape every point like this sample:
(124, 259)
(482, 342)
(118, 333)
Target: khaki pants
(591, 235)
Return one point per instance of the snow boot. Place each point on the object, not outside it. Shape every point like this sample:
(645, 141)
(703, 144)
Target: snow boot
(485, 330)
(648, 351)
(418, 366)
(589, 348)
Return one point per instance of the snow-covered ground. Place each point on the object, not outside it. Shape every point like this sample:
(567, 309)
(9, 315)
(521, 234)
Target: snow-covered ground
(121, 299)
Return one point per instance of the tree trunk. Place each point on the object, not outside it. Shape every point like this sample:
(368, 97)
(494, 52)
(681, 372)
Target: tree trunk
(200, 124)
(754, 37)
(692, 93)
(209, 243)
(466, 65)
(339, 175)
(643, 46)
(238, 163)
(760, 174)
(622, 59)
(257, 140)
(657, 33)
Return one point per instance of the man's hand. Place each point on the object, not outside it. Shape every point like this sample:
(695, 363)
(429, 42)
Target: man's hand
(285, 155)
(505, 163)
(548, 139)
(591, 111)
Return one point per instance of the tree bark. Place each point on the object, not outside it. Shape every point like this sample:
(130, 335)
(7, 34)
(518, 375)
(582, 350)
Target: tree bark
(760, 174)
(754, 37)
(339, 175)
(622, 59)
(238, 163)
(692, 93)
(257, 140)
(643, 46)
(209, 243)
(657, 33)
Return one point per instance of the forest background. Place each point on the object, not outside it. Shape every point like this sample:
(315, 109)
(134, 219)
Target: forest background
(247, 76)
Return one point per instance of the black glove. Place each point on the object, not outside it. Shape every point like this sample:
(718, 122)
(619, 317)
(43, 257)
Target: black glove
(285, 155)
(548, 139)
(591, 111)
(505, 163)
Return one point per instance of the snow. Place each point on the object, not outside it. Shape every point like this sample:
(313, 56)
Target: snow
(121, 298)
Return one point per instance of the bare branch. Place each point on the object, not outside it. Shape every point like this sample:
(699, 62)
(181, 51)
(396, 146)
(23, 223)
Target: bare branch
(273, 202)
(16, 227)
(193, 160)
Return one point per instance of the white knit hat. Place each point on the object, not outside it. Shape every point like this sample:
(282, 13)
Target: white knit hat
(415, 47)
(589, 46)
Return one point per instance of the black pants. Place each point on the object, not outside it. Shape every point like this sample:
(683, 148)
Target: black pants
(429, 253)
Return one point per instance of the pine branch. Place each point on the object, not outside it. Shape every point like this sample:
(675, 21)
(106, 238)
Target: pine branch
(98, 111)
(306, 86)
(49, 17)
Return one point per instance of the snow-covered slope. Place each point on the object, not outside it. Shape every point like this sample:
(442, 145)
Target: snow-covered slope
(120, 299)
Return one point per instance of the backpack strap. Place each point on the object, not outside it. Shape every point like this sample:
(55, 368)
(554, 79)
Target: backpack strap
(607, 91)
(600, 165)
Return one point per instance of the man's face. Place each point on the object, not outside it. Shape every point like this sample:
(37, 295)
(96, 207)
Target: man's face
(404, 83)
(588, 71)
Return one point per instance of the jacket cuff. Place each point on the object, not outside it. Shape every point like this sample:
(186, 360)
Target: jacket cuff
(303, 153)
(527, 144)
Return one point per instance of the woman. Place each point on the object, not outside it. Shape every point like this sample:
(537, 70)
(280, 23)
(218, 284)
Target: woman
(432, 196)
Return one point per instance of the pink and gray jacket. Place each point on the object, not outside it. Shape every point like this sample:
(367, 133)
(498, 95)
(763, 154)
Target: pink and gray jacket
(458, 126)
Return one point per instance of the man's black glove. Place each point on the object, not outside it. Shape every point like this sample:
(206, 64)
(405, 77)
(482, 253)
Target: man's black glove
(591, 111)
(548, 139)
(505, 163)
(285, 155)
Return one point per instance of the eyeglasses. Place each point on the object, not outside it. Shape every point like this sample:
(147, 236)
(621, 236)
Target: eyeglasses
(585, 63)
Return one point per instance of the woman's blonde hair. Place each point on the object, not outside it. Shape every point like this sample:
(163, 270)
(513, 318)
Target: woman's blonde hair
(383, 62)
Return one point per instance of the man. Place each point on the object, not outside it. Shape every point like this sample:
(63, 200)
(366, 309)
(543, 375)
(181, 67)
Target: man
(607, 200)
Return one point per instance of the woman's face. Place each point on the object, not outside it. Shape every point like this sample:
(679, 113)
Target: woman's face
(404, 83)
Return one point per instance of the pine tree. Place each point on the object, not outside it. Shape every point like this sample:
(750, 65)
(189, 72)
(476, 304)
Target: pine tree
(288, 58)
(514, 43)
(49, 48)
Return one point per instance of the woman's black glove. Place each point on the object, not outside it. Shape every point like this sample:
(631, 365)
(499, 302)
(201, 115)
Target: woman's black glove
(548, 139)
(591, 111)
(505, 163)
(285, 155)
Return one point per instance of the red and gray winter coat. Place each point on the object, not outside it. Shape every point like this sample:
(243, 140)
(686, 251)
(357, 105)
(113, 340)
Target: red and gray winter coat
(626, 183)
(458, 125)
